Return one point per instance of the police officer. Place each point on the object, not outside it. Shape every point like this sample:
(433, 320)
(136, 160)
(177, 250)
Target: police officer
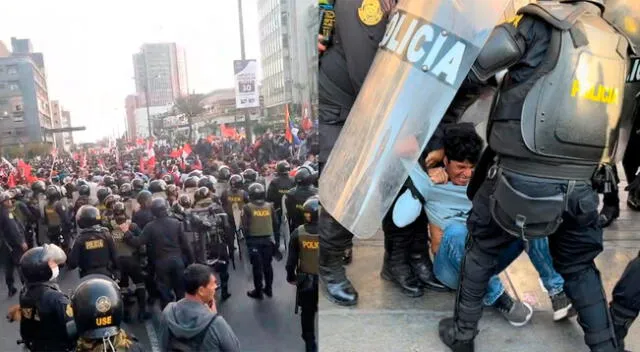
(170, 245)
(143, 216)
(26, 215)
(84, 194)
(302, 269)
(278, 187)
(13, 242)
(102, 193)
(94, 251)
(38, 200)
(258, 224)
(128, 261)
(249, 176)
(129, 199)
(172, 194)
(235, 196)
(209, 182)
(297, 196)
(97, 314)
(158, 189)
(138, 186)
(57, 218)
(191, 185)
(214, 234)
(44, 309)
(553, 174)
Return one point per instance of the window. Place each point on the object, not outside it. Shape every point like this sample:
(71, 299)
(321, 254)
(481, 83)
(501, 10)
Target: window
(12, 70)
(14, 85)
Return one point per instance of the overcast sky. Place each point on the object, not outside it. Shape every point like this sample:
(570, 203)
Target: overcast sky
(88, 48)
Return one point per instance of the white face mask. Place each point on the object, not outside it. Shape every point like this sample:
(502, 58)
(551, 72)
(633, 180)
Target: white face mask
(55, 272)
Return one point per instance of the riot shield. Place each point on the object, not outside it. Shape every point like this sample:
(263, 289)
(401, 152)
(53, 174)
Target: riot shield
(220, 187)
(243, 251)
(625, 15)
(284, 225)
(424, 56)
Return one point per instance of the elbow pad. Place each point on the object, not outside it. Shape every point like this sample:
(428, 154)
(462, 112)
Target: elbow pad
(503, 49)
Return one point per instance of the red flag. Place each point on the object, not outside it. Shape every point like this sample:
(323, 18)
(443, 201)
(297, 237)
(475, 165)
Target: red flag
(142, 165)
(210, 139)
(175, 154)
(186, 150)
(151, 161)
(287, 127)
(198, 165)
(227, 131)
(306, 120)
(11, 182)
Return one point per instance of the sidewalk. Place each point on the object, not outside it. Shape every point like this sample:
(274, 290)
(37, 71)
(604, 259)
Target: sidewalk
(386, 320)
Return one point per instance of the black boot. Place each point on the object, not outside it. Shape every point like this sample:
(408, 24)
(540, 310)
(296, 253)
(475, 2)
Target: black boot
(610, 209)
(447, 331)
(310, 345)
(142, 307)
(422, 267)
(395, 267)
(347, 258)
(255, 294)
(336, 287)
(225, 293)
(622, 320)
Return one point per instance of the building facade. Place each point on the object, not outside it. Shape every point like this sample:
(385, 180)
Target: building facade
(161, 72)
(67, 137)
(25, 114)
(130, 106)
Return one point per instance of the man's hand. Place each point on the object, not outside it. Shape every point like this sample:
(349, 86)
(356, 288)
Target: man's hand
(321, 47)
(433, 158)
(14, 313)
(438, 175)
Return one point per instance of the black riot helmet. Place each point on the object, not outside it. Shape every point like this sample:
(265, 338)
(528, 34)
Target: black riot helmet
(114, 189)
(97, 308)
(137, 184)
(108, 180)
(172, 190)
(235, 181)
(208, 181)
(53, 193)
(224, 173)
(88, 216)
(311, 210)
(250, 176)
(81, 182)
(168, 179)
(160, 208)
(34, 263)
(118, 209)
(185, 201)
(599, 3)
(143, 198)
(17, 193)
(84, 190)
(111, 200)
(157, 186)
(103, 193)
(177, 209)
(191, 182)
(305, 176)
(256, 191)
(5, 196)
(201, 193)
(38, 187)
(283, 167)
(196, 173)
(69, 188)
(126, 189)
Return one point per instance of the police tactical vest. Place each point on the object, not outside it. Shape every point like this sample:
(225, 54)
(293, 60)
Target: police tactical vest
(40, 330)
(567, 113)
(261, 222)
(53, 218)
(94, 251)
(17, 212)
(236, 197)
(122, 249)
(309, 245)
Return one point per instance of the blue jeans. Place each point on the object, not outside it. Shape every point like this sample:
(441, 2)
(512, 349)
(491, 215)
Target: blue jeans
(449, 258)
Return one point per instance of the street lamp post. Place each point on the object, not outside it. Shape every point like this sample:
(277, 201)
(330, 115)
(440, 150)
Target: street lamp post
(247, 117)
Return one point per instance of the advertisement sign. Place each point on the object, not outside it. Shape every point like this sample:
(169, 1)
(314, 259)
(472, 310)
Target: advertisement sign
(244, 72)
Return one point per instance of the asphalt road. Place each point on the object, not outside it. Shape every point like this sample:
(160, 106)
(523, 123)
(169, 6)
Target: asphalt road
(265, 326)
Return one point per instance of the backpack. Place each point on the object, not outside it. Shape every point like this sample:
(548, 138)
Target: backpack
(193, 344)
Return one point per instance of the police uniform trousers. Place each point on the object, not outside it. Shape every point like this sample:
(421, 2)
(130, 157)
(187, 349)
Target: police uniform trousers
(54, 234)
(631, 158)
(334, 238)
(574, 246)
(11, 260)
(261, 255)
(308, 301)
(625, 305)
(130, 269)
(169, 273)
(219, 251)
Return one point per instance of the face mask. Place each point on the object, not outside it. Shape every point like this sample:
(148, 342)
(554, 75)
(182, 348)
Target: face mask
(55, 272)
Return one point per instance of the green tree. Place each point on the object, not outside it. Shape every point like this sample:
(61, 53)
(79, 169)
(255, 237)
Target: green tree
(189, 106)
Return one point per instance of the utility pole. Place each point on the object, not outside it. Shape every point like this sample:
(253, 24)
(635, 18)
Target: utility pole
(247, 117)
(146, 92)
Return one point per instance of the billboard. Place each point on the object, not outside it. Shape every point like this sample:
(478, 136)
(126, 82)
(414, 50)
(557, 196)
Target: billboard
(244, 73)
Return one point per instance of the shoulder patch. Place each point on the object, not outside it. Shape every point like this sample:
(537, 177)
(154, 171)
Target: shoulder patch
(69, 311)
(370, 12)
(10, 215)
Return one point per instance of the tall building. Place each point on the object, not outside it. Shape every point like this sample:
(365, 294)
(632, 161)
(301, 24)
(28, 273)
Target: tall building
(162, 68)
(275, 55)
(25, 114)
(130, 105)
(67, 137)
(56, 118)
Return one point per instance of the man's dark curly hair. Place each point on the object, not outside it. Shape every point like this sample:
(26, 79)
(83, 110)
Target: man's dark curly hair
(462, 143)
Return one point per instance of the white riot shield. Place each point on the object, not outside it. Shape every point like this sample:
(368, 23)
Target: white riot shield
(243, 251)
(625, 15)
(284, 225)
(220, 187)
(424, 56)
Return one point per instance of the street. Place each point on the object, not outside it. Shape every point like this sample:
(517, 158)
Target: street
(269, 325)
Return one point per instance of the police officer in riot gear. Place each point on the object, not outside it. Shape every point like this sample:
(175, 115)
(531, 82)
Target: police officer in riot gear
(27, 215)
(169, 245)
(258, 224)
(158, 188)
(44, 309)
(302, 269)
(209, 182)
(102, 193)
(129, 199)
(172, 194)
(278, 187)
(56, 218)
(38, 200)
(553, 174)
(143, 216)
(84, 194)
(297, 196)
(213, 234)
(111, 199)
(224, 173)
(13, 240)
(128, 261)
(249, 177)
(94, 251)
(138, 186)
(191, 185)
(97, 314)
